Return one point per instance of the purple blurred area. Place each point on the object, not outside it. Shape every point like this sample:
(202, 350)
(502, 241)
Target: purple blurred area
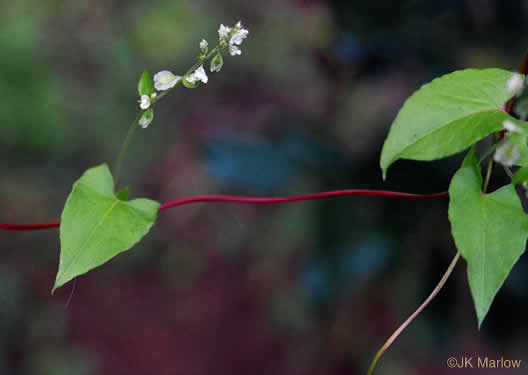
(215, 288)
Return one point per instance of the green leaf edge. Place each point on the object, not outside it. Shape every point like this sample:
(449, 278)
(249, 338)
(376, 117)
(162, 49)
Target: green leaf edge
(396, 156)
(471, 162)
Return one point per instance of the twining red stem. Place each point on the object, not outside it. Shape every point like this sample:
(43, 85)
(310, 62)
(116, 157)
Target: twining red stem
(254, 200)
(29, 226)
(327, 194)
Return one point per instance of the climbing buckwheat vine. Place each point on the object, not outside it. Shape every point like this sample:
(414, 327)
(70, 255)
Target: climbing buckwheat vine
(445, 117)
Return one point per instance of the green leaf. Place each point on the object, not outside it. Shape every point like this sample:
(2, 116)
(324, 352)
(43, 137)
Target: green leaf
(490, 231)
(447, 116)
(520, 176)
(96, 226)
(145, 86)
(190, 85)
(123, 194)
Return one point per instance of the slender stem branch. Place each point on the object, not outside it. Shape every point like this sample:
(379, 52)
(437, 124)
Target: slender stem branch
(489, 152)
(508, 171)
(256, 200)
(488, 175)
(124, 146)
(414, 315)
(134, 125)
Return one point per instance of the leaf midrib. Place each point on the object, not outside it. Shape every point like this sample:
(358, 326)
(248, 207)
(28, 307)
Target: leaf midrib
(408, 145)
(88, 238)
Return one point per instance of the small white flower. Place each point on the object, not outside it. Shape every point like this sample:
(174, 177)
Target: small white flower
(239, 35)
(234, 50)
(512, 127)
(507, 153)
(515, 84)
(223, 33)
(204, 46)
(144, 102)
(198, 75)
(165, 80)
(236, 36)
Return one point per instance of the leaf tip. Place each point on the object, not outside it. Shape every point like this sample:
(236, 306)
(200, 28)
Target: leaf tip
(60, 280)
(55, 287)
(480, 321)
(384, 169)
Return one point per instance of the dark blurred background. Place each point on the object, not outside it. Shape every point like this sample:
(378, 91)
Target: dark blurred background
(304, 288)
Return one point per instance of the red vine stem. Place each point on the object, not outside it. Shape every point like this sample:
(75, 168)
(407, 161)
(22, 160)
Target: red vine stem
(20, 227)
(327, 194)
(254, 200)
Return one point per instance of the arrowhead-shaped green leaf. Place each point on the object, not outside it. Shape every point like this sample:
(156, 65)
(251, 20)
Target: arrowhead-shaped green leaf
(490, 231)
(96, 225)
(447, 116)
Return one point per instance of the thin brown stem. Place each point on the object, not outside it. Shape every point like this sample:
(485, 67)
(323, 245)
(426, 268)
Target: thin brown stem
(410, 319)
(488, 175)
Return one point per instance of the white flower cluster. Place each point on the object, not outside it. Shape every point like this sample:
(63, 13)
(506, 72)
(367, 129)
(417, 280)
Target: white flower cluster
(507, 151)
(145, 100)
(204, 46)
(515, 84)
(511, 127)
(198, 75)
(233, 37)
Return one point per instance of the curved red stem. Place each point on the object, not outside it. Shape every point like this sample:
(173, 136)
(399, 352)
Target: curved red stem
(29, 226)
(254, 200)
(327, 194)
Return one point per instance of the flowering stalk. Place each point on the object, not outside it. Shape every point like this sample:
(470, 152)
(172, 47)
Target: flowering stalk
(126, 142)
(165, 81)
(256, 200)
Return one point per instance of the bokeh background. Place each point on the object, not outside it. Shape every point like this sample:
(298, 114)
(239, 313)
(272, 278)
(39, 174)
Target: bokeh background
(304, 288)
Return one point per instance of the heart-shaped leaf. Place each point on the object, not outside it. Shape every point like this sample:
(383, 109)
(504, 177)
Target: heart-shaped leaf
(447, 116)
(96, 225)
(490, 231)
